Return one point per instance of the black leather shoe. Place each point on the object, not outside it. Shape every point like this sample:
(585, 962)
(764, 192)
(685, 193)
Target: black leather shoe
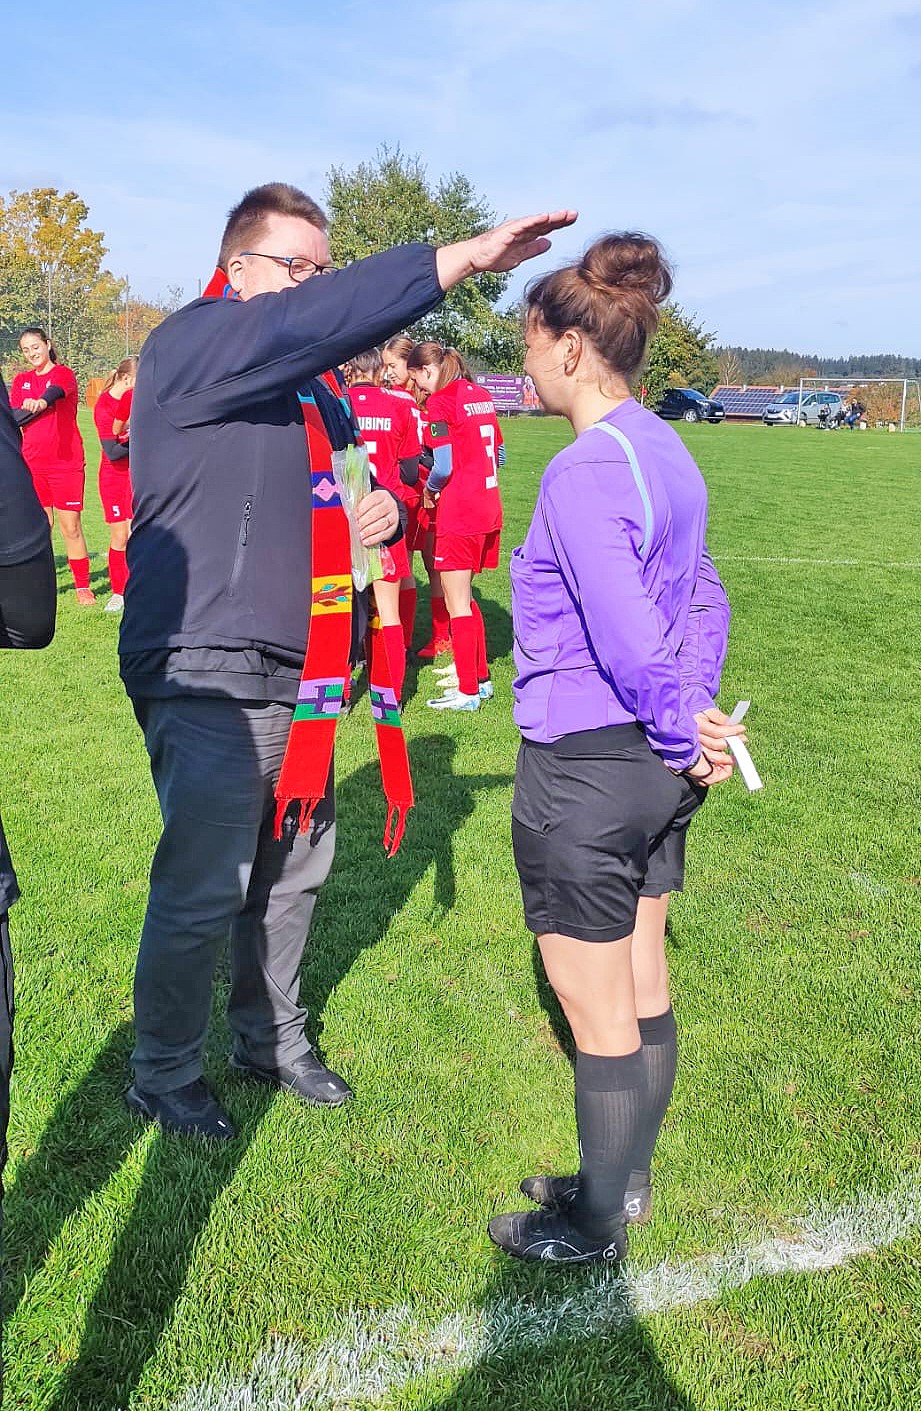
(551, 1237)
(190, 1111)
(307, 1077)
(557, 1193)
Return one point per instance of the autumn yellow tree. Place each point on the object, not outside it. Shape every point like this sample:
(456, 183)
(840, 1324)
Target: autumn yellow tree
(51, 274)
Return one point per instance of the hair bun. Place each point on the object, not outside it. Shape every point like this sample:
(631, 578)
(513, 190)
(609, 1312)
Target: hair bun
(628, 261)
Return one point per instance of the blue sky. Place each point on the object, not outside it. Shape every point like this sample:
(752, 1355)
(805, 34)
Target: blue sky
(773, 148)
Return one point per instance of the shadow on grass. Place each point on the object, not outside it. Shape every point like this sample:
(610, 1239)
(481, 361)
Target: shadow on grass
(367, 889)
(546, 1361)
(85, 1143)
(91, 1133)
(498, 622)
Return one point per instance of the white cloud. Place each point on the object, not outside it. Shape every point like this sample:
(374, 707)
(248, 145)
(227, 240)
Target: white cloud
(771, 147)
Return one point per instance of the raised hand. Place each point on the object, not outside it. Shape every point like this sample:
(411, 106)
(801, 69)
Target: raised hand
(502, 248)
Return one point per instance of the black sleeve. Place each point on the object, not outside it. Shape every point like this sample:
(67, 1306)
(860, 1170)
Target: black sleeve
(114, 449)
(214, 357)
(400, 530)
(23, 523)
(53, 393)
(409, 470)
(28, 601)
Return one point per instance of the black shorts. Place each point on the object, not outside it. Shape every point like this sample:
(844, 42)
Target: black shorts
(597, 822)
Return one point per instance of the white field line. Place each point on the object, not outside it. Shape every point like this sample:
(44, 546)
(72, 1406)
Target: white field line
(863, 882)
(821, 563)
(374, 1354)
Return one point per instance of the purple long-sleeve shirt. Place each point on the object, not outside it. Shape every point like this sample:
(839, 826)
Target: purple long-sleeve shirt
(612, 578)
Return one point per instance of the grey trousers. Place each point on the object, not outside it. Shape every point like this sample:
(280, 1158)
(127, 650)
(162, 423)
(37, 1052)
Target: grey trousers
(218, 873)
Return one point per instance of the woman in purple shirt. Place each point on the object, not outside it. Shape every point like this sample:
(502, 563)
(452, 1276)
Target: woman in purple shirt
(620, 633)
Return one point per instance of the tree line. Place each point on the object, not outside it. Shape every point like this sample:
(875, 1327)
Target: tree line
(52, 274)
(778, 366)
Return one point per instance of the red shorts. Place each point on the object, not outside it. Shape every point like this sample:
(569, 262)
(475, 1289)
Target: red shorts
(59, 489)
(466, 551)
(115, 494)
(398, 566)
(418, 527)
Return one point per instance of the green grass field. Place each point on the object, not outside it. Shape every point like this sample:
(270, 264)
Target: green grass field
(344, 1253)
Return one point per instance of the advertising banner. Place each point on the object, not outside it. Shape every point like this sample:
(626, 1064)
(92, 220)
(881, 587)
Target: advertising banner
(510, 394)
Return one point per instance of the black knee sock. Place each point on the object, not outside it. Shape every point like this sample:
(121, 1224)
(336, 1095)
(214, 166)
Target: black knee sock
(660, 1056)
(610, 1110)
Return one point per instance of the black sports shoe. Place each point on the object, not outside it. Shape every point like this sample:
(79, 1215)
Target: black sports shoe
(551, 1237)
(308, 1077)
(190, 1110)
(557, 1193)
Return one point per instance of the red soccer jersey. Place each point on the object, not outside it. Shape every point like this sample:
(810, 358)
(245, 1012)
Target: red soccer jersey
(411, 402)
(388, 429)
(123, 411)
(52, 441)
(463, 416)
(106, 411)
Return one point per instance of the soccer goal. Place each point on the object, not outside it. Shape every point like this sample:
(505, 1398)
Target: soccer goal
(889, 402)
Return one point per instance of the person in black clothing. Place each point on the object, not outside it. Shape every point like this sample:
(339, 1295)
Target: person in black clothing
(215, 625)
(28, 602)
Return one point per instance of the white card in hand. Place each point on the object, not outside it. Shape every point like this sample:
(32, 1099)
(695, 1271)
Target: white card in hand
(750, 776)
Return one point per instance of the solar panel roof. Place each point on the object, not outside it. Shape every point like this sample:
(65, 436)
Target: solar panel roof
(745, 401)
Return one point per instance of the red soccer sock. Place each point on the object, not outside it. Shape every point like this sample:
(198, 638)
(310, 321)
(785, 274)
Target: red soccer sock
(482, 664)
(463, 638)
(395, 647)
(441, 622)
(80, 568)
(118, 570)
(408, 614)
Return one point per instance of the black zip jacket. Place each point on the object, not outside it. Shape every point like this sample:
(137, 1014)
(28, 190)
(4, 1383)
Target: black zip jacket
(27, 583)
(219, 554)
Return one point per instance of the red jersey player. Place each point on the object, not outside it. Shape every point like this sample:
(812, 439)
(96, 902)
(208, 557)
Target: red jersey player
(464, 434)
(390, 432)
(46, 396)
(421, 521)
(111, 414)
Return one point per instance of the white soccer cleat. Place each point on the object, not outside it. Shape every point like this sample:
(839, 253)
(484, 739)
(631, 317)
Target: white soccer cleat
(454, 700)
(115, 603)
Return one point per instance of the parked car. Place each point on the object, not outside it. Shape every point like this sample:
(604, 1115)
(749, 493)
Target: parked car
(788, 410)
(684, 404)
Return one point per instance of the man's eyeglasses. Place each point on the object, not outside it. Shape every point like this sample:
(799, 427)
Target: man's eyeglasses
(299, 268)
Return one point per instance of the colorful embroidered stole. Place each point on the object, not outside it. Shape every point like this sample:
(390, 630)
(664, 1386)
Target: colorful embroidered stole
(308, 756)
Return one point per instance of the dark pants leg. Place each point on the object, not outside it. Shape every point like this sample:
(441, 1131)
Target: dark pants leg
(267, 937)
(6, 1059)
(218, 872)
(6, 1035)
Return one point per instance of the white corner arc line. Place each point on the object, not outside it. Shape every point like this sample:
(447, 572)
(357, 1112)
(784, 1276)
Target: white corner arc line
(375, 1354)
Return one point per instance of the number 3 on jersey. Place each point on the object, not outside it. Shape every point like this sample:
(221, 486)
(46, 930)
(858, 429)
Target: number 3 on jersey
(488, 434)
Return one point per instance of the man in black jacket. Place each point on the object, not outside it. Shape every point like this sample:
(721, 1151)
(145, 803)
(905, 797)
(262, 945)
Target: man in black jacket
(215, 627)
